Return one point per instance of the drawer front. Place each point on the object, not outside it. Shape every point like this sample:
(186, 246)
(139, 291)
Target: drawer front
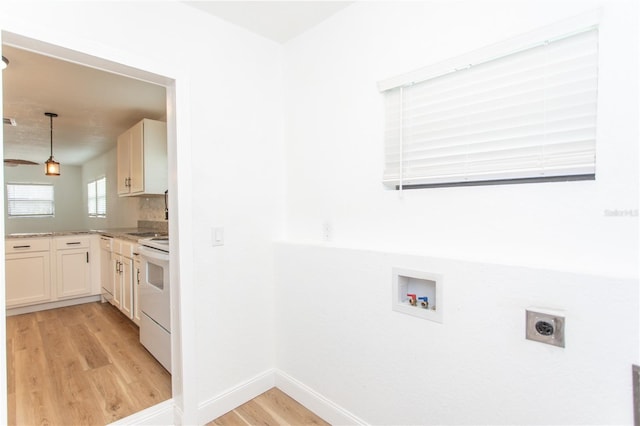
(72, 242)
(126, 248)
(106, 243)
(20, 245)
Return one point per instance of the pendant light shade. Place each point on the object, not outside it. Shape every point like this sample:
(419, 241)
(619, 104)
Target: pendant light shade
(52, 167)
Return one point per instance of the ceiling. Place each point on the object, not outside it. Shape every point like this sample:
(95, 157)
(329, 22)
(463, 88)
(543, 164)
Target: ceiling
(94, 106)
(277, 20)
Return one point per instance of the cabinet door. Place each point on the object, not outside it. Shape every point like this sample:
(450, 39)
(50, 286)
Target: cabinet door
(136, 291)
(116, 268)
(28, 278)
(126, 303)
(136, 165)
(73, 273)
(106, 271)
(123, 156)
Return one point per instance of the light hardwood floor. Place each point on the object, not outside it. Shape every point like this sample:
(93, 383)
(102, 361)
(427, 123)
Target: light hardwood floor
(79, 365)
(272, 408)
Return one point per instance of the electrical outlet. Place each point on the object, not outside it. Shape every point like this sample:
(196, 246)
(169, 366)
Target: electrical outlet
(217, 236)
(327, 231)
(545, 327)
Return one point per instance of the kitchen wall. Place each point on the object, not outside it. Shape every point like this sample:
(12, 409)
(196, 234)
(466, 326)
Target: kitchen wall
(500, 249)
(71, 199)
(122, 212)
(70, 209)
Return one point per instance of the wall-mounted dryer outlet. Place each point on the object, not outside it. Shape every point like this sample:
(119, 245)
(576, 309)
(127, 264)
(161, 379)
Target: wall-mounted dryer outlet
(545, 327)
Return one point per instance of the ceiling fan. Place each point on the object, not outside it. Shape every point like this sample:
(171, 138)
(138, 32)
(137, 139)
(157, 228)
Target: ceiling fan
(12, 162)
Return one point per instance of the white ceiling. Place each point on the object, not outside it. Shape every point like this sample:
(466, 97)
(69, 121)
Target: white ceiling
(277, 20)
(94, 107)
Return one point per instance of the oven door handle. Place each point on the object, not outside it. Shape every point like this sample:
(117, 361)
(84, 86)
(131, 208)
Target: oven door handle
(153, 254)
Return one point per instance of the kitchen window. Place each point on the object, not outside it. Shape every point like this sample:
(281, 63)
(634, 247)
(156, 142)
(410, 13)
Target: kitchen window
(520, 111)
(30, 200)
(97, 197)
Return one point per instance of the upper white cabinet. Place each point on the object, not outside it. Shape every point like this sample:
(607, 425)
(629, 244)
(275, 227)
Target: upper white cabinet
(142, 159)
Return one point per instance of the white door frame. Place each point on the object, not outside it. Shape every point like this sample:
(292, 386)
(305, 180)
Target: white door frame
(184, 387)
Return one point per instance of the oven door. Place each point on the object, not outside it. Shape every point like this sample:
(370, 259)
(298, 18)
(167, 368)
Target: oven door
(154, 291)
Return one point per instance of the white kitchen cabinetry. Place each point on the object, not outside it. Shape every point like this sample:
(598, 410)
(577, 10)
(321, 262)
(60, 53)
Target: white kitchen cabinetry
(142, 159)
(28, 271)
(73, 266)
(123, 276)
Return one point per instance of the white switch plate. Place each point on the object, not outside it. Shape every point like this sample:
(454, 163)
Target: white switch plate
(217, 236)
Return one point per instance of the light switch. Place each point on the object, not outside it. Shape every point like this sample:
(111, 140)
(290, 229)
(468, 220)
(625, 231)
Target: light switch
(217, 236)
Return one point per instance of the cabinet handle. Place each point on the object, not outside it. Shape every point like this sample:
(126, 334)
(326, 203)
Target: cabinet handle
(138, 276)
(21, 247)
(87, 257)
(74, 243)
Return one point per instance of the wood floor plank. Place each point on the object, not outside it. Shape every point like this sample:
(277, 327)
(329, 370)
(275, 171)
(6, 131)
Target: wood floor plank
(229, 419)
(34, 396)
(116, 401)
(288, 410)
(23, 336)
(146, 394)
(272, 408)
(11, 409)
(254, 414)
(87, 346)
(61, 355)
(11, 371)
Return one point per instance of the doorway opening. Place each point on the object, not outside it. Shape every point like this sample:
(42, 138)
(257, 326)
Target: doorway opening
(116, 67)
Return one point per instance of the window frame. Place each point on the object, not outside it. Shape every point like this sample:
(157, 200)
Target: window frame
(96, 200)
(10, 200)
(396, 141)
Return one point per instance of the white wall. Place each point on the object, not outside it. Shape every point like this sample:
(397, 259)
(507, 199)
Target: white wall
(67, 189)
(234, 99)
(122, 212)
(338, 336)
(335, 127)
(500, 248)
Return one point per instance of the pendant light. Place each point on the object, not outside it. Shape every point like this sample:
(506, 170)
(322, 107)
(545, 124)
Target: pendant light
(5, 63)
(52, 167)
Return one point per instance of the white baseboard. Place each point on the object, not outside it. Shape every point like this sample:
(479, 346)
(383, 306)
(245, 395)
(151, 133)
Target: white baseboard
(159, 414)
(234, 397)
(52, 305)
(166, 413)
(313, 401)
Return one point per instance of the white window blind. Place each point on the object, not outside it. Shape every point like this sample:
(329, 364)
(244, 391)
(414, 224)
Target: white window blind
(97, 197)
(528, 114)
(25, 200)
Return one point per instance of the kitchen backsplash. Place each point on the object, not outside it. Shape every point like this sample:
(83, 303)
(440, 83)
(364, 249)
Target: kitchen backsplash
(151, 208)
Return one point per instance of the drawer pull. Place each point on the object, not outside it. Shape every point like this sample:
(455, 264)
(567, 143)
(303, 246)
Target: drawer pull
(74, 243)
(21, 247)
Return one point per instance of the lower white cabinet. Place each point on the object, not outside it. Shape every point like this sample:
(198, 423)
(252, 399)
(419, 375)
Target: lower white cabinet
(41, 270)
(123, 276)
(27, 271)
(73, 266)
